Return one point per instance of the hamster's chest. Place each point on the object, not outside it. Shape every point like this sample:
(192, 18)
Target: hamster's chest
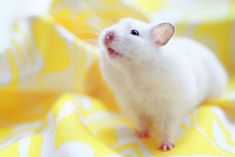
(133, 81)
(148, 83)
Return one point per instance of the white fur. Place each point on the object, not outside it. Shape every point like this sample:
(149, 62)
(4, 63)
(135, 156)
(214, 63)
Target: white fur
(162, 83)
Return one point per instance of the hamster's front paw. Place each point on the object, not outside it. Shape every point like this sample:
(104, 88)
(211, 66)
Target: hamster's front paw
(166, 146)
(142, 133)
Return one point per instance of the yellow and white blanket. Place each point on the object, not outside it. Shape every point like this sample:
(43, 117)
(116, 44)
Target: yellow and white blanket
(54, 103)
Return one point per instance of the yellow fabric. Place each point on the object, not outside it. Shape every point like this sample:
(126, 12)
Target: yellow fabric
(53, 101)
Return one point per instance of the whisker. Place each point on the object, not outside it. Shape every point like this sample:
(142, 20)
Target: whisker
(92, 42)
(90, 39)
(69, 51)
(97, 26)
(73, 48)
(94, 25)
(86, 31)
(68, 17)
(93, 13)
(65, 51)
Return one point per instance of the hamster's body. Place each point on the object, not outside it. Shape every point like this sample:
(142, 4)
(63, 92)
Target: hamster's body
(163, 86)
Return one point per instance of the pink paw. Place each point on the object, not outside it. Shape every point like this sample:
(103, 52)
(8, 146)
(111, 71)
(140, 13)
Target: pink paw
(167, 146)
(142, 133)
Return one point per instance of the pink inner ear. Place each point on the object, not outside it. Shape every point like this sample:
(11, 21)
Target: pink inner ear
(162, 33)
(159, 42)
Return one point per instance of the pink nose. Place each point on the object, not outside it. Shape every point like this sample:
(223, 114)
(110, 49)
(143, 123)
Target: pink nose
(109, 37)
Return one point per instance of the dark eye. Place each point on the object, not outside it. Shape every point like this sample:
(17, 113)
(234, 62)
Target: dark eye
(135, 32)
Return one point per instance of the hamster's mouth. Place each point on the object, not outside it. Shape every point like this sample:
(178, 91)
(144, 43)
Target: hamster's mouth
(113, 53)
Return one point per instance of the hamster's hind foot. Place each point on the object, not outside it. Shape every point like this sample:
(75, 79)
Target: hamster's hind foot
(142, 133)
(166, 146)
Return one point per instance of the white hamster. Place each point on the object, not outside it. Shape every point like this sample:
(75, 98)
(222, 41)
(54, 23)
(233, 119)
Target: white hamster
(157, 82)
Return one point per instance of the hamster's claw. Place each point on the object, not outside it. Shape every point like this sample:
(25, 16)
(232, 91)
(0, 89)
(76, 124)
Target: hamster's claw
(167, 146)
(142, 133)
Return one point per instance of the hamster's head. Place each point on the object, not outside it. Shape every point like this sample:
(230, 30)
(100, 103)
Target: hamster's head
(132, 39)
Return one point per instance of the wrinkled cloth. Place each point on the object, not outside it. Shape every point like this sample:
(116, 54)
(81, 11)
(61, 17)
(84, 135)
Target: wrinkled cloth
(54, 102)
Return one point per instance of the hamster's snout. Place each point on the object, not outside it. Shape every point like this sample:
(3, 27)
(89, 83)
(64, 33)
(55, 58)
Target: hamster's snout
(109, 37)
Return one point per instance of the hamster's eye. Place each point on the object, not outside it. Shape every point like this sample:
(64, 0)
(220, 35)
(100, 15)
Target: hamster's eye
(135, 32)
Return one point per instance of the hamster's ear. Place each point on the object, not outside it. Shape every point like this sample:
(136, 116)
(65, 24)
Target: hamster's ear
(162, 33)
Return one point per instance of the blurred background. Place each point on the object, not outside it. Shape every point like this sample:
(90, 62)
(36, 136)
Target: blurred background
(49, 48)
(14, 11)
